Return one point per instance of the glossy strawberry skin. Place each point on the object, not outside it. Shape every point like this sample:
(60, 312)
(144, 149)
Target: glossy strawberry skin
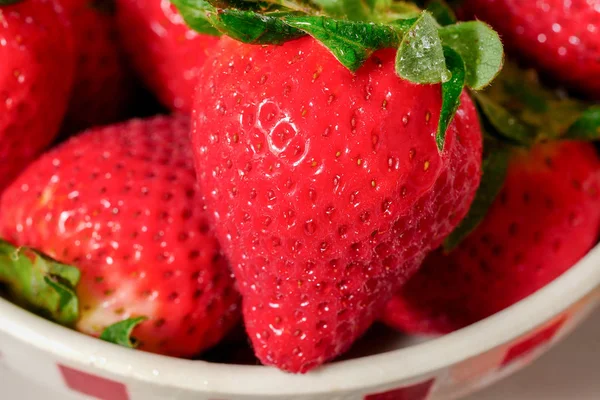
(121, 204)
(103, 86)
(36, 73)
(545, 219)
(164, 51)
(561, 38)
(326, 189)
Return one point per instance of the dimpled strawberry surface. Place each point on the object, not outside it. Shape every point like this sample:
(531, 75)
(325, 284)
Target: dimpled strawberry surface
(102, 86)
(121, 204)
(164, 51)
(327, 165)
(36, 73)
(326, 189)
(560, 37)
(533, 233)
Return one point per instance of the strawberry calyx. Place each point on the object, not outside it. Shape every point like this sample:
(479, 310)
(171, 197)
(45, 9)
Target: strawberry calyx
(521, 110)
(40, 283)
(47, 287)
(121, 332)
(452, 54)
(440, 9)
(517, 112)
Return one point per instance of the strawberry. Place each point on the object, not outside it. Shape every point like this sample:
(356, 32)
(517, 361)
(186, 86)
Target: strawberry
(535, 231)
(561, 38)
(102, 86)
(121, 204)
(326, 188)
(163, 50)
(36, 73)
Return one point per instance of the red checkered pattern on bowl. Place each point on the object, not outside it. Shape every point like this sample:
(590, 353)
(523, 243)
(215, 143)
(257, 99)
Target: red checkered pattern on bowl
(522, 350)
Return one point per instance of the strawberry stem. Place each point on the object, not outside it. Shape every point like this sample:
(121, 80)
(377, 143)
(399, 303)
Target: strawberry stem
(353, 30)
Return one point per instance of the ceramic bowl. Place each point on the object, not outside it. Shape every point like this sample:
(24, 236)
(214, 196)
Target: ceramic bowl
(388, 368)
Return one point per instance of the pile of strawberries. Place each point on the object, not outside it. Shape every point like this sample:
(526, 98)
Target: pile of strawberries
(311, 186)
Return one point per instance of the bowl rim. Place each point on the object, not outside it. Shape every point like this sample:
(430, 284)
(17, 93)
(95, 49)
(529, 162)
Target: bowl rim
(405, 365)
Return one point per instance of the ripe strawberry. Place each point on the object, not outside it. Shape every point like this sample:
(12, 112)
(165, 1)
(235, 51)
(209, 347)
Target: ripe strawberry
(561, 38)
(544, 220)
(36, 73)
(102, 86)
(121, 204)
(164, 51)
(326, 188)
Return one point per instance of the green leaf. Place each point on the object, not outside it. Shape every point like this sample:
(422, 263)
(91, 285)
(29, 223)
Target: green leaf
(520, 91)
(67, 274)
(495, 168)
(354, 10)
(420, 58)
(120, 333)
(359, 10)
(387, 11)
(263, 6)
(9, 2)
(522, 109)
(253, 28)
(351, 29)
(67, 298)
(302, 6)
(39, 283)
(587, 127)
(255, 22)
(252, 24)
(506, 124)
(352, 43)
(481, 49)
(245, 5)
(442, 12)
(451, 92)
(194, 13)
(402, 26)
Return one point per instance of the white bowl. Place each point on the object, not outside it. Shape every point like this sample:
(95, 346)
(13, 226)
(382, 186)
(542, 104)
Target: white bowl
(412, 369)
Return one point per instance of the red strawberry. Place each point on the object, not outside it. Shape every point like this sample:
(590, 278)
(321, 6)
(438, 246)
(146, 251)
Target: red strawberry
(36, 73)
(544, 220)
(164, 51)
(561, 38)
(102, 85)
(326, 188)
(121, 204)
